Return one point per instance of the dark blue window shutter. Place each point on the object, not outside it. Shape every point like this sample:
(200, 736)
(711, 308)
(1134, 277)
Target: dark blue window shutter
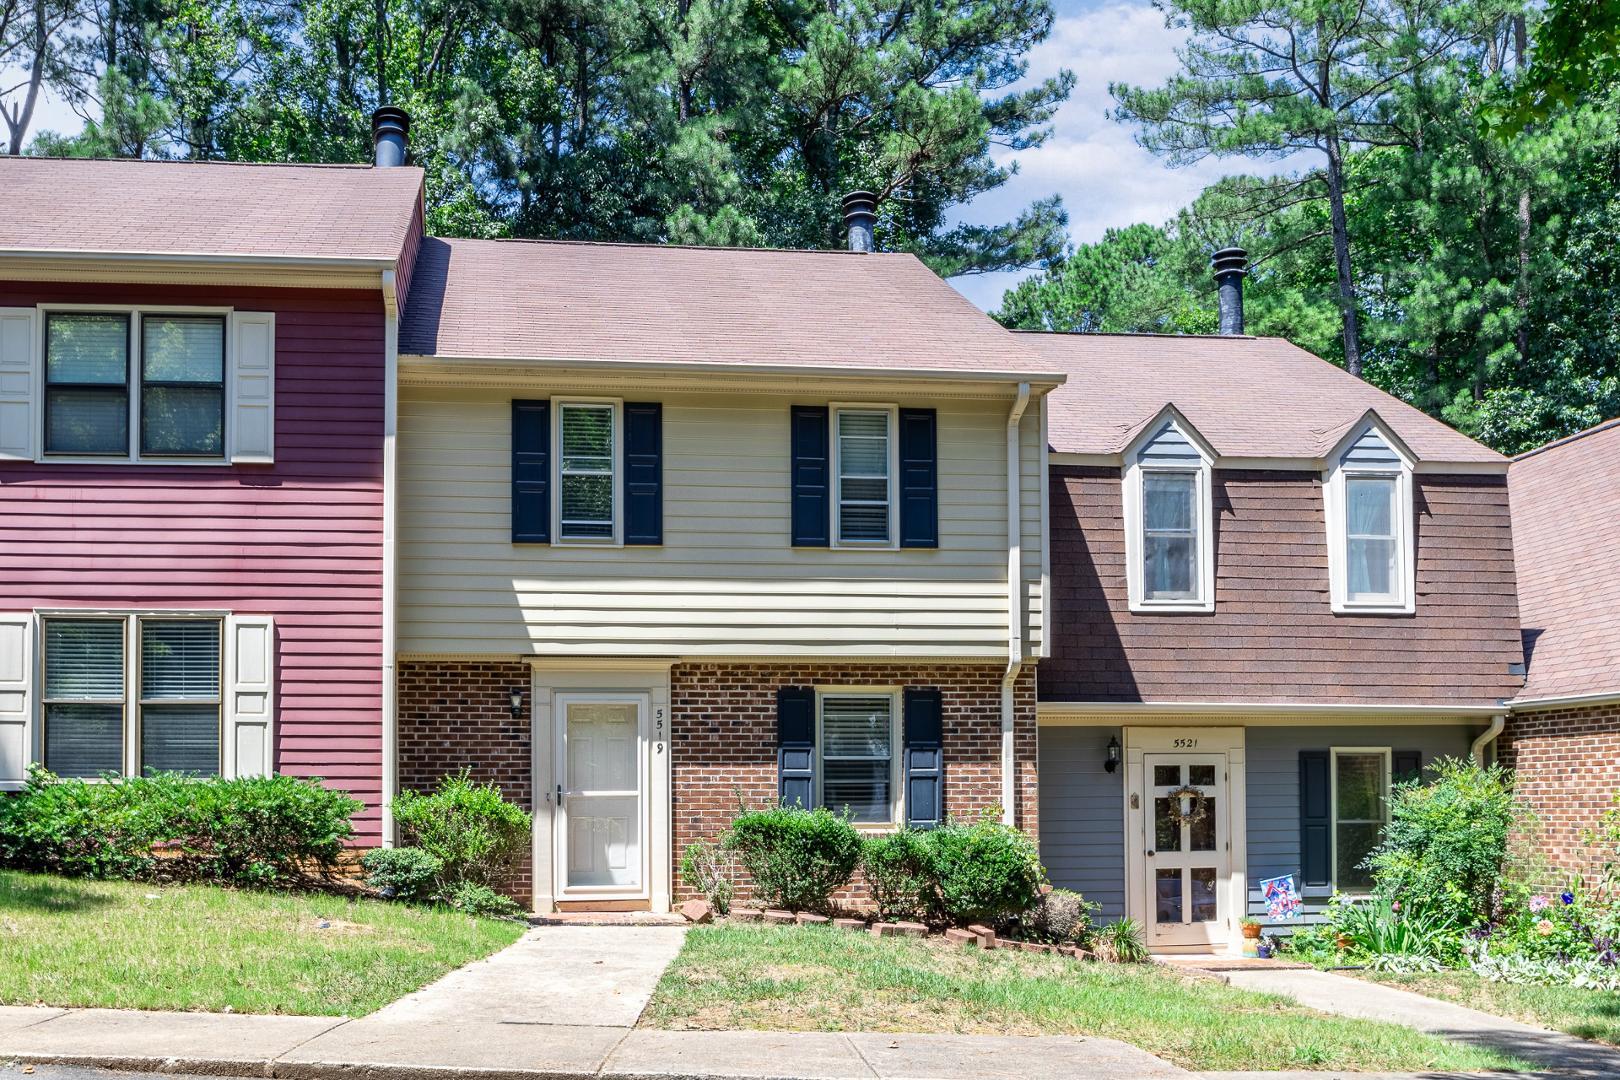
(1407, 765)
(811, 477)
(531, 472)
(919, 478)
(924, 765)
(1315, 818)
(643, 473)
(796, 745)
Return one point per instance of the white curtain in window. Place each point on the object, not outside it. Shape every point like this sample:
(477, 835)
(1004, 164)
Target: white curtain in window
(1169, 535)
(1370, 553)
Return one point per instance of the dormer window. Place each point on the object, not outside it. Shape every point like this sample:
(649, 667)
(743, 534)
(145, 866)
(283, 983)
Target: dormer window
(1368, 504)
(1169, 544)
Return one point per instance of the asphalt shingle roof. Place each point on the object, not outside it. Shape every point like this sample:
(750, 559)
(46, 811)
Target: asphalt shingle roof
(1250, 397)
(206, 208)
(1566, 545)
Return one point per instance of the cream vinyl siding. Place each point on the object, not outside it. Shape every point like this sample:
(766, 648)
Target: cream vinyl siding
(726, 581)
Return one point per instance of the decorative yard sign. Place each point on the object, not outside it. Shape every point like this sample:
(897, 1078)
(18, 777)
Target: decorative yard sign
(1282, 899)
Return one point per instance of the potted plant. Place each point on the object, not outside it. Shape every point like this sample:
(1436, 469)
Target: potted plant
(1251, 935)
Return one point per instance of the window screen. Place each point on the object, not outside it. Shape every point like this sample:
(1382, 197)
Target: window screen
(585, 469)
(180, 698)
(857, 756)
(84, 696)
(87, 384)
(863, 476)
(182, 385)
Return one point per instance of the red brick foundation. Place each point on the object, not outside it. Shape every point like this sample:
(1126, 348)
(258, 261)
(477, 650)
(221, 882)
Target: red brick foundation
(724, 737)
(458, 714)
(1567, 767)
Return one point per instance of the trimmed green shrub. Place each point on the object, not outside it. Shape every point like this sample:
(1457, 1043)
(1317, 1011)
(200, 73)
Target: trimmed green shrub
(258, 831)
(401, 873)
(471, 898)
(470, 828)
(705, 868)
(797, 858)
(983, 871)
(1447, 842)
(898, 868)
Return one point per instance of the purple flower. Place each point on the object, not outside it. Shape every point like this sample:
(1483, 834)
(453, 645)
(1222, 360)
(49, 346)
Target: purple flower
(1539, 903)
(1568, 898)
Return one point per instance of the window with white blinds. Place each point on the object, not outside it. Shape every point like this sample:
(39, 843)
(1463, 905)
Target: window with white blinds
(585, 480)
(857, 747)
(180, 699)
(84, 696)
(865, 488)
(176, 711)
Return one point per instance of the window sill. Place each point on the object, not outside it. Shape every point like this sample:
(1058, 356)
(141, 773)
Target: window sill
(1173, 606)
(1374, 608)
(148, 462)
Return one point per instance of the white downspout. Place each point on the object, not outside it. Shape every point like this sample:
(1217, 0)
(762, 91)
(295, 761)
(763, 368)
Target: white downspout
(1476, 752)
(390, 570)
(1015, 604)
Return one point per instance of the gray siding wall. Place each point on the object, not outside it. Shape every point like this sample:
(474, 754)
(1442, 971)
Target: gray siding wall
(1083, 815)
(1273, 787)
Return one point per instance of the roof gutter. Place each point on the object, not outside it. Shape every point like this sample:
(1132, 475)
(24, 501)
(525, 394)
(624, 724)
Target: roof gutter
(1287, 464)
(327, 262)
(1228, 708)
(1601, 697)
(1476, 752)
(1044, 380)
(1015, 606)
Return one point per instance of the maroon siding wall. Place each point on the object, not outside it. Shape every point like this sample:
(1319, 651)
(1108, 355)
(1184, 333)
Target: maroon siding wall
(300, 540)
(1272, 636)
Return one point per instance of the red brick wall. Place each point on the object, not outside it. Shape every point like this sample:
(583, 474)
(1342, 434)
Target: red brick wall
(1567, 763)
(724, 737)
(455, 714)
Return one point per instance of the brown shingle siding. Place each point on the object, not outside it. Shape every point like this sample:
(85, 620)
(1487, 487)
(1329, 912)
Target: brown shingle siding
(1272, 636)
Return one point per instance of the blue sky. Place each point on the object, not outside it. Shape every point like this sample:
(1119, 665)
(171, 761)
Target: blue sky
(1104, 177)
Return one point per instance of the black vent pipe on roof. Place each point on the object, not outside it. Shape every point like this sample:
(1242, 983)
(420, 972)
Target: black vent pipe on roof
(390, 126)
(860, 218)
(1230, 265)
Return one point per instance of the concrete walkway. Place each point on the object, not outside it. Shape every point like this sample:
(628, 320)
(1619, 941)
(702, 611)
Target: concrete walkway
(1554, 1051)
(560, 1003)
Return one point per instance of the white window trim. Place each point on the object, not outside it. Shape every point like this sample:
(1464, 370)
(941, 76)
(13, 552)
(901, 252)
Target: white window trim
(1136, 471)
(1336, 516)
(896, 751)
(131, 619)
(836, 465)
(1334, 754)
(557, 406)
(134, 456)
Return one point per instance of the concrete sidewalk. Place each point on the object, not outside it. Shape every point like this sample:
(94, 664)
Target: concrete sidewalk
(1554, 1051)
(560, 1003)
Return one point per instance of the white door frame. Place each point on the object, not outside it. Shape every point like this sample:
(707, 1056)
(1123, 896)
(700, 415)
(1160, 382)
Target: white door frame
(554, 677)
(560, 840)
(1234, 891)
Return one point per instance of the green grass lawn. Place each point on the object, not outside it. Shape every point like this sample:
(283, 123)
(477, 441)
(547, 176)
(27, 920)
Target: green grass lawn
(1591, 1014)
(822, 979)
(132, 946)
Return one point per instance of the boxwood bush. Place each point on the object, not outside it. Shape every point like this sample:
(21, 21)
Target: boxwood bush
(797, 858)
(475, 835)
(898, 868)
(983, 871)
(269, 830)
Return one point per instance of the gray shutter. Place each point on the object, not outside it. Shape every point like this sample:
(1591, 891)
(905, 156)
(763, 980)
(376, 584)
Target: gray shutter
(924, 764)
(1315, 818)
(796, 745)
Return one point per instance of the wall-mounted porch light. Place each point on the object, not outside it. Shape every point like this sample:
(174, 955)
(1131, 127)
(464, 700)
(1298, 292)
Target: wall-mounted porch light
(517, 702)
(1112, 763)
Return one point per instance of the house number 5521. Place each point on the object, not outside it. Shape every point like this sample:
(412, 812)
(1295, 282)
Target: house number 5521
(1186, 744)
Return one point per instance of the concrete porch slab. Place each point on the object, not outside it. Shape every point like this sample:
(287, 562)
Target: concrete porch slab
(212, 1043)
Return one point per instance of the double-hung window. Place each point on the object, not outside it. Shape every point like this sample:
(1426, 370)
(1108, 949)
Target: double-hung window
(136, 385)
(90, 666)
(864, 444)
(1370, 520)
(857, 744)
(587, 482)
(1361, 778)
(1169, 520)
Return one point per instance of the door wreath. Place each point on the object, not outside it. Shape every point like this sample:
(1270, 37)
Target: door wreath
(1197, 807)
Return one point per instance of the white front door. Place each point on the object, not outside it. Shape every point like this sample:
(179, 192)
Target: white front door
(1188, 851)
(601, 805)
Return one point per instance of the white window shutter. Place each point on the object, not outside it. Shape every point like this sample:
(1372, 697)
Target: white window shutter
(19, 366)
(250, 695)
(252, 421)
(16, 699)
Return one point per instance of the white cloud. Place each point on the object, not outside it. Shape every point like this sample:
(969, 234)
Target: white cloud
(1105, 178)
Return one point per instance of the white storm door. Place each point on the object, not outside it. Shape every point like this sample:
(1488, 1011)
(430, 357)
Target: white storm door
(1188, 855)
(601, 796)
